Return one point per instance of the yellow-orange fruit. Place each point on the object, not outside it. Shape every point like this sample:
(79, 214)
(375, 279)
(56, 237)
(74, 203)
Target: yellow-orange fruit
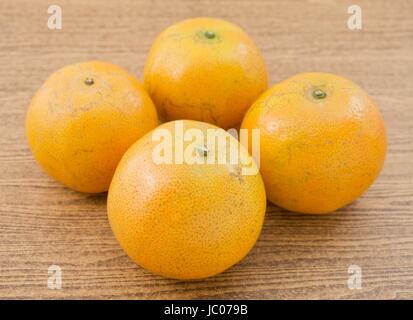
(323, 142)
(185, 221)
(82, 120)
(204, 69)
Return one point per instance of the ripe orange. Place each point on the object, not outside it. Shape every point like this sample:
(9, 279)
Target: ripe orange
(204, 69)
(82, 120)
(185, 221)
(323, 142)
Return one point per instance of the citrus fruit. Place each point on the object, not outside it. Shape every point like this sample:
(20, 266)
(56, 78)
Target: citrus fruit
(82, 120)
(323, 142)
(204, 69)
(185, 220)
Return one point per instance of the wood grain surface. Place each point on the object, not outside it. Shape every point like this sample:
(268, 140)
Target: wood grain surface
(297, 256)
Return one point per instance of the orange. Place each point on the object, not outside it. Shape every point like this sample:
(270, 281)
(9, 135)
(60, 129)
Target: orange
(323, 142)
(82, 120)
(185, 221)
(204, 69)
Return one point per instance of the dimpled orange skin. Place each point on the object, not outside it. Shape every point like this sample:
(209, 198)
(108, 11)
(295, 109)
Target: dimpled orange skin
(184, 221)
(204, 69)
(317, 154)
(78, 132)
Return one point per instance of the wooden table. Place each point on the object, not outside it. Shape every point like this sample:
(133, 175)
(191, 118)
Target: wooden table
(297, 256)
